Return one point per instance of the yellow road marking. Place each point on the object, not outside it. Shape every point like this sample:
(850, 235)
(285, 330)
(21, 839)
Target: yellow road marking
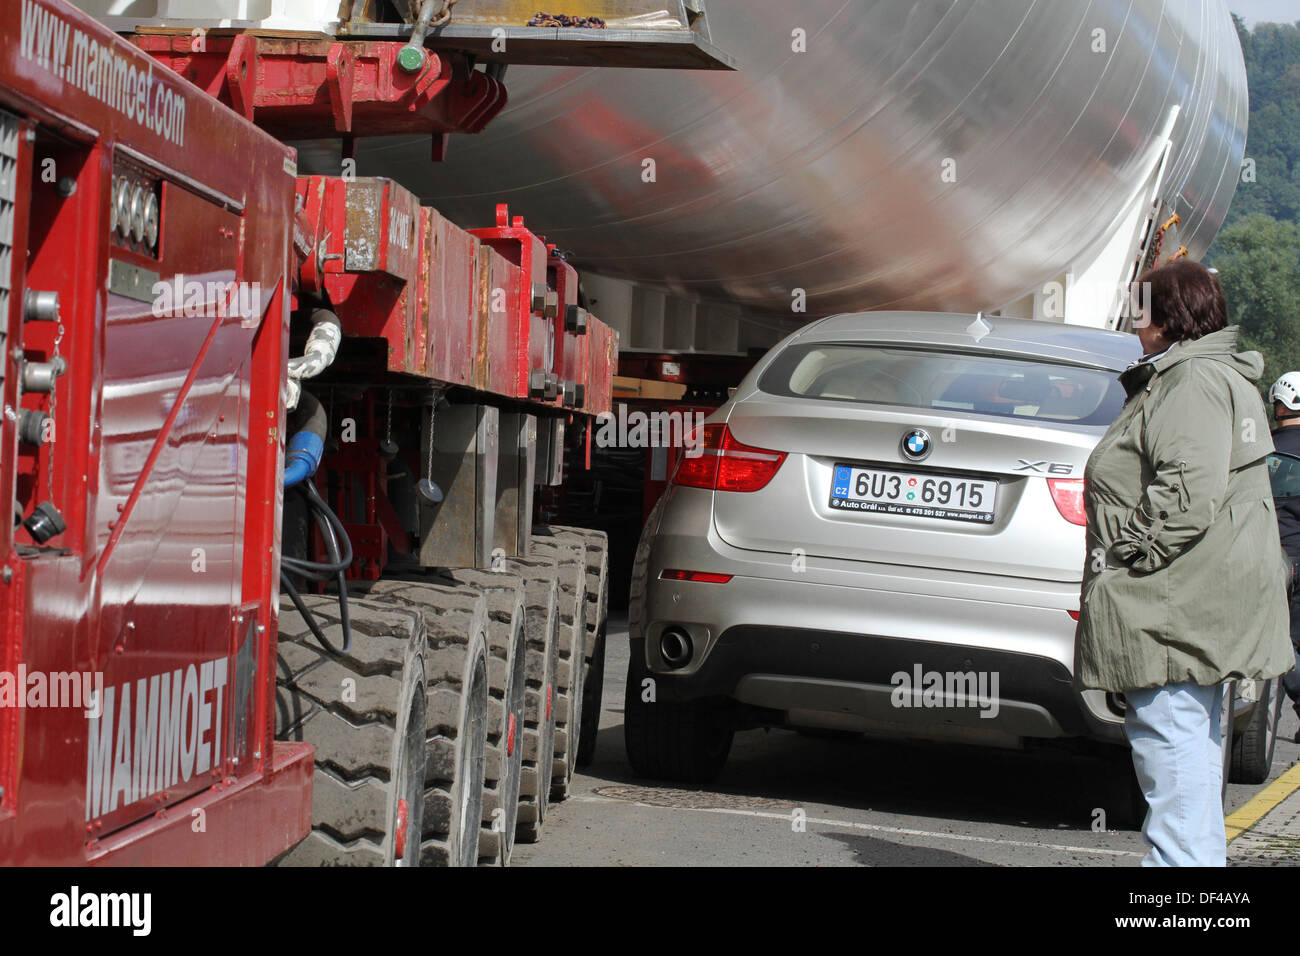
(1254, 810)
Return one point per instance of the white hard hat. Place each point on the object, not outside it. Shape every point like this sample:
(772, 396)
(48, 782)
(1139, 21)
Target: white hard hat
(1287, 391)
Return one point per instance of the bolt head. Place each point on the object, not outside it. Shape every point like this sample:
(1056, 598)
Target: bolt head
(410, 59)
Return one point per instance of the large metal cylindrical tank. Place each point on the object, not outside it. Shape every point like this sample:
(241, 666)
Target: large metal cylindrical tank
(937, 154)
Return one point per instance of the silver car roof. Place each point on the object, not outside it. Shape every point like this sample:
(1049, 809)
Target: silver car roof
(1053, 341)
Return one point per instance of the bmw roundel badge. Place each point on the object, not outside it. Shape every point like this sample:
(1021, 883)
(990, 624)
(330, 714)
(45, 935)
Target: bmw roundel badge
(917, 444)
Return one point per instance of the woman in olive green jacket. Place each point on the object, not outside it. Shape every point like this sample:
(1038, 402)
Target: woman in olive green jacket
(1184, 585)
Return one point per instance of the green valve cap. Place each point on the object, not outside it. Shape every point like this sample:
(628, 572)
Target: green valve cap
(410, 59)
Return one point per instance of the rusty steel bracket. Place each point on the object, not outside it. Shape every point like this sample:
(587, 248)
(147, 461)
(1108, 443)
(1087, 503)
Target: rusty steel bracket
(241, 75)
(340, 69)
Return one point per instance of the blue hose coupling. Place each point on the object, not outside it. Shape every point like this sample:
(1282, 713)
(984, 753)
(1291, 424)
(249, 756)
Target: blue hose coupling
(302, 457)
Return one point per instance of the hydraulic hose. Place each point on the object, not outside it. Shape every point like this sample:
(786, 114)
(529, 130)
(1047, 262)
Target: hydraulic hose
(319, 353)
(337, 543)
(302, 458)
(307, 446)
(332, 532)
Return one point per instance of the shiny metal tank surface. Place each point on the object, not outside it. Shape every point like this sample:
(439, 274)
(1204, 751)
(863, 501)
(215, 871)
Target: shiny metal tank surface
(940, 154)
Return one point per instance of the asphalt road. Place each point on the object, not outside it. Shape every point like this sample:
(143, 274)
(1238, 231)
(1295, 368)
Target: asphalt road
(788, 800)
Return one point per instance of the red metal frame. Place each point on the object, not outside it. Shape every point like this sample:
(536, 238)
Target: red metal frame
(572, 323)
(300, 88)
(511, 292)
(169, 457)
(454, 307)
(166, 462)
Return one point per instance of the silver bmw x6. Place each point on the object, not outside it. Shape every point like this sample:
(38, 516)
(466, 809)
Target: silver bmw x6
(882, 532)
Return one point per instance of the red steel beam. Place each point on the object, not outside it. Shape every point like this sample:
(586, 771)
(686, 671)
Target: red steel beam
(305, 88)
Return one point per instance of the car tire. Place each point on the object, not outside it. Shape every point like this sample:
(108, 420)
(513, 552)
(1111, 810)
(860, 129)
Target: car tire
(1252, 749)
(1126, 798)
(682, 741)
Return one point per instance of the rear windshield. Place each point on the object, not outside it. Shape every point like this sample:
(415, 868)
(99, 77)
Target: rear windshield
(946, 381)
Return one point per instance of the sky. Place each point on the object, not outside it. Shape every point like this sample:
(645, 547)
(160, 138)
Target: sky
(1267, 11)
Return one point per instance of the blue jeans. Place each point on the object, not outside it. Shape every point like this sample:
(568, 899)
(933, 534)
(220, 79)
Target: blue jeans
(1174, 732)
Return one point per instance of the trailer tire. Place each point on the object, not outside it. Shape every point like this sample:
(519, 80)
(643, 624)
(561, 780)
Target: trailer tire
(364, 712)
(507, 653)
(593, 689)
(593, 694)
(570, 564)
(542, 629)
(456, 618)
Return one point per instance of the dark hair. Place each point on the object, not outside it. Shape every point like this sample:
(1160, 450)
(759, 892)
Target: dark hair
(1186, 300)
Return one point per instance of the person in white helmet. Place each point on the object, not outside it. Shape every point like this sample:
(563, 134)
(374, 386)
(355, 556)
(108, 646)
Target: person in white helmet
(1285, 396)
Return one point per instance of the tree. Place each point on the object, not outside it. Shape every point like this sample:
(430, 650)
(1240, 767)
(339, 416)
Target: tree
(1258, 251)
(1259, 268)
(1272, 54)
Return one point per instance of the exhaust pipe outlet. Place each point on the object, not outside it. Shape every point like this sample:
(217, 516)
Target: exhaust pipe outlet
(676, 647)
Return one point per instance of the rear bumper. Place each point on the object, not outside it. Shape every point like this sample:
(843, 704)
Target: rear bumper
(845, 644)
(248, 823)
(868, 682)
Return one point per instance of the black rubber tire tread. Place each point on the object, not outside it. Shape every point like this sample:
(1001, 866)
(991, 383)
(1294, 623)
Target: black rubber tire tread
(1126, 804)
(542, 640)
(358, 742)
(593, 689)
(456, 617)
(571, 574)
(636, 609)
(593, 694)
(596, 544)
(684, 741)
(507, 653)
(1252, 751)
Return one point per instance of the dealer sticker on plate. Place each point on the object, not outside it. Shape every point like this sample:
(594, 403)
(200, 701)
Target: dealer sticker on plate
(915, 493)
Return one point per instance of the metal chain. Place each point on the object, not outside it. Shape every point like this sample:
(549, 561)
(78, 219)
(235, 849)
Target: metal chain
(54, 421)
(445, 15)
(388, 429)
(433, 414)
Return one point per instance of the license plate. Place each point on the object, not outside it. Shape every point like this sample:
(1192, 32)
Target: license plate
(914, 493)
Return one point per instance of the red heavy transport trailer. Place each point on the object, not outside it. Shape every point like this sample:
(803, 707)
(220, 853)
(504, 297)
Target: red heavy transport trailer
(273, 590)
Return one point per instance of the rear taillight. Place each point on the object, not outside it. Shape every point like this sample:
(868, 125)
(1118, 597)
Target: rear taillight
(1068, 495)
(724, 464)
